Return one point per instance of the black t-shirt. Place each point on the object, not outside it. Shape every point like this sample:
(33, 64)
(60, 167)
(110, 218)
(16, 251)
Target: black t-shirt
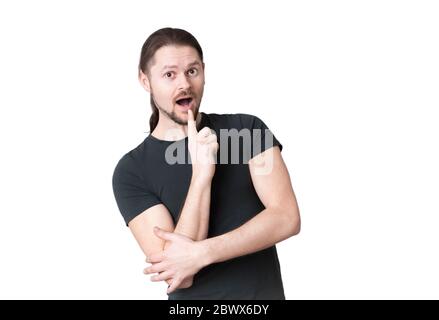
(144, 178)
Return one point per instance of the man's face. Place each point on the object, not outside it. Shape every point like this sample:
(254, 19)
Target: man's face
(176, 81)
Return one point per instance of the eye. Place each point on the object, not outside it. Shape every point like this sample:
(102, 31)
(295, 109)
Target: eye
(192, 72)
(168, 74)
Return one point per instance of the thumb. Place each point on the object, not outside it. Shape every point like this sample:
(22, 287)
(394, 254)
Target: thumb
(164, 235)
(191, 126)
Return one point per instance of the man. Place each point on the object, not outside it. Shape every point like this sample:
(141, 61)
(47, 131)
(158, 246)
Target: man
(207, 215)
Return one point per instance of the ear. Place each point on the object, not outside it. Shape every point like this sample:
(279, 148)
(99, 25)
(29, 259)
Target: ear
(204, 69)
(144, 81)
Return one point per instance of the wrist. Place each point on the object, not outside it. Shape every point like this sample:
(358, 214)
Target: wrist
(207, 255)
(201, 182)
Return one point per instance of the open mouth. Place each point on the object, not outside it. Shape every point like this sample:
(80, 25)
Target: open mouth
(184, 101)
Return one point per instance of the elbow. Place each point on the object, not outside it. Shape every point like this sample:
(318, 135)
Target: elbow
(289, 223)
(293, 223)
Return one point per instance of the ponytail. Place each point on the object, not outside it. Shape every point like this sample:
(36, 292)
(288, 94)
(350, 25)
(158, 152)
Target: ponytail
(154, 119)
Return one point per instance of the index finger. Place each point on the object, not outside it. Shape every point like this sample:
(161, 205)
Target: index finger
(192, 129)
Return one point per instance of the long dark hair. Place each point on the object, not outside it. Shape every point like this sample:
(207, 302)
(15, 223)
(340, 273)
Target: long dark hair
(160, 38)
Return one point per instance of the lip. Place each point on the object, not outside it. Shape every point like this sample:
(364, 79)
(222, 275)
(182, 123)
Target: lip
(187, 107)
(184, 97)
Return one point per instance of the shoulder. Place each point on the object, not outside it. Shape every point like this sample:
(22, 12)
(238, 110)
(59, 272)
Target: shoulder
(130, 163)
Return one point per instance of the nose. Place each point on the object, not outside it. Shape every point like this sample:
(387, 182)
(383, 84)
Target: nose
(183, 83)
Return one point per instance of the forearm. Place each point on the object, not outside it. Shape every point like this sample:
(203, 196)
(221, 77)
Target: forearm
(269, 227)
(194, 217)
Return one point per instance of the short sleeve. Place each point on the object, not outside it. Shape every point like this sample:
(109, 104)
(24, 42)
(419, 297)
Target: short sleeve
(262, 137)
(130, 190)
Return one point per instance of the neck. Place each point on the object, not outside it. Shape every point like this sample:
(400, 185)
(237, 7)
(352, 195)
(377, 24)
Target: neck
(169, 130)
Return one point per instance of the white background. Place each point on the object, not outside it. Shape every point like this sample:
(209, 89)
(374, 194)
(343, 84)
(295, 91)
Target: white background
(349, 87)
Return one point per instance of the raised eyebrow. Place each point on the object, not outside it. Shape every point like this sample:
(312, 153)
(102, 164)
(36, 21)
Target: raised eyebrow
(169, 67)
(195, 63)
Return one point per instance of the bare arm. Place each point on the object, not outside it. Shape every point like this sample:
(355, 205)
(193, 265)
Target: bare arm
(193, 222)
(194, 217)
(279, 221)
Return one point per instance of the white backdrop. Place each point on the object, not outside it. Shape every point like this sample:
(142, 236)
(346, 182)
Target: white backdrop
(349, 87)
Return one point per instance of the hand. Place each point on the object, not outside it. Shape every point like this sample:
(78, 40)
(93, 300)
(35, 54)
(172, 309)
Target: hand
(203, 147)
(180, 261)
(186, 283)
